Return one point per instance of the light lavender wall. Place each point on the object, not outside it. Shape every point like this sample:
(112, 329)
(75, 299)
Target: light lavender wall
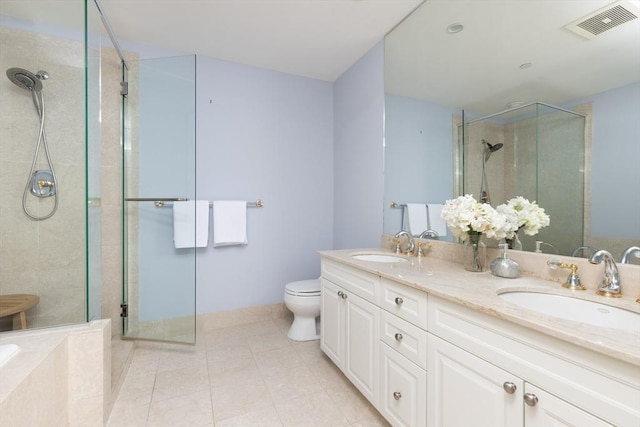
(615, 176)
(263, 134)
(418, 155)
(358, 152)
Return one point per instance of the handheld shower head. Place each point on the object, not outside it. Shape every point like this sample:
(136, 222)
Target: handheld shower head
(490, 148)
(26, 79)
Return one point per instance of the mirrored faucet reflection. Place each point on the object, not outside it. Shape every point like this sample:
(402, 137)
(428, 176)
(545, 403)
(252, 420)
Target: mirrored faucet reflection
(429, 234)
(633, 251)
(610, 285)
(583, 249)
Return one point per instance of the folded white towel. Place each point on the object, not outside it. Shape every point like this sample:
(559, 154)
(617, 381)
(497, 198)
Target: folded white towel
(436, 223)
(229, 222)
(191, 224)
(417, 215)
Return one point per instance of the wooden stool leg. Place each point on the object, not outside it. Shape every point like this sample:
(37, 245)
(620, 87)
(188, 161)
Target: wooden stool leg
(20, 320)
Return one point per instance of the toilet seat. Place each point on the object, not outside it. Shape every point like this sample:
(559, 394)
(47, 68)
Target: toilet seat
(303, 288)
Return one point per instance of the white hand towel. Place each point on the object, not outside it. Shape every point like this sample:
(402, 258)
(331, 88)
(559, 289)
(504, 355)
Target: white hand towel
(436, 223)
(229, 223)
(191, 224)
(417, 214)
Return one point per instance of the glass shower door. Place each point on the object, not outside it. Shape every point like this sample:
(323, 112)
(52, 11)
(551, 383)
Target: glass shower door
(159, 169)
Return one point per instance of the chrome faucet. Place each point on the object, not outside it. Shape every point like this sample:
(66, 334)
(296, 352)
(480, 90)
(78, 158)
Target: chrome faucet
(410, 244)
(628, 253)
(426, 234)
(610, 285)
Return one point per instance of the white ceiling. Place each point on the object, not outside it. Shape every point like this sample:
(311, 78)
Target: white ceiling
(312, 38)
(476, 70)
(479, 70)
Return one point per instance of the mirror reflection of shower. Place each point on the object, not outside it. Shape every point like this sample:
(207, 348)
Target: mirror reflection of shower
(485, 196)
(40, 183)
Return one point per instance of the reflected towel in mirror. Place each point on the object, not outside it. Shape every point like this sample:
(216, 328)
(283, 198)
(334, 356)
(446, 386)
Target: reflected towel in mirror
(417, 218)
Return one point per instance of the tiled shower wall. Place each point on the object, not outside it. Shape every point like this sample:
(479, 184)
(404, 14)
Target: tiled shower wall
(45, 258)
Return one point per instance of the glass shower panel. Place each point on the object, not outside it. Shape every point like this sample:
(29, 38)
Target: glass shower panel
(159, 167)
(93, 52)
(44, 257)
(537, 153)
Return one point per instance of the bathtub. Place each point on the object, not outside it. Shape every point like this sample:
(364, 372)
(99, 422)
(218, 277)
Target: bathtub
(7, 351)
(63, 372)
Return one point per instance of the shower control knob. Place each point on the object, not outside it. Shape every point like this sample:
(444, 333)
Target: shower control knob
(399, 300)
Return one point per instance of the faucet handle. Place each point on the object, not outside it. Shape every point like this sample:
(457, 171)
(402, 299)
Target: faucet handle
(573, 280)
(396, 242)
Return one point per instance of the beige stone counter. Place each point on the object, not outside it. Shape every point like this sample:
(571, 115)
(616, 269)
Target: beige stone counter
(479, 291)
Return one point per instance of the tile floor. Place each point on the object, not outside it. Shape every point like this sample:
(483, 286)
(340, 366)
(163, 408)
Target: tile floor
(249, 375)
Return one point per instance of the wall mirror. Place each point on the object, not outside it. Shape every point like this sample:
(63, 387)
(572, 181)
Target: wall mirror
(481, 58)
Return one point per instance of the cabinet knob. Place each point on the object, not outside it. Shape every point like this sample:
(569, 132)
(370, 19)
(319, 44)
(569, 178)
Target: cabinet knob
(399, 336)
(344, 295)
(397, 395)
(509, 387)
(530, 399)
(399, 300)
(340, 293)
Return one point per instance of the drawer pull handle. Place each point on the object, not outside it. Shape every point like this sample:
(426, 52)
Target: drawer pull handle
(509, 387)
(530, 399)
(399, 336)
(399, 300)
(397, 395)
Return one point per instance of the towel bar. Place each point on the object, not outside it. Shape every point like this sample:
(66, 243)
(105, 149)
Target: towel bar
(161, 202)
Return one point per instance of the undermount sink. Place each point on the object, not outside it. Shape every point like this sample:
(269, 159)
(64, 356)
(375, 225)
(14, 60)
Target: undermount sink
(577, 310)
(378, 258)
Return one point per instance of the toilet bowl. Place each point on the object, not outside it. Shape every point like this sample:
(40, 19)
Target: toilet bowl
(302, 298)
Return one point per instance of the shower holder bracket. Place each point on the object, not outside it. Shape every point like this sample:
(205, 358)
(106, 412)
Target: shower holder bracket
(43, 184)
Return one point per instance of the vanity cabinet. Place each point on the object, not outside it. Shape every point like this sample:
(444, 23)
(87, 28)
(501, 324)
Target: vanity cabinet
(486, 371)
(468, 391)
(423, 360)
(350, 328)
(465, 390)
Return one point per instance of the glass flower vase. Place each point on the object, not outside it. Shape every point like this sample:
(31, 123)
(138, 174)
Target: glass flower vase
(475, 253)
(514, 243)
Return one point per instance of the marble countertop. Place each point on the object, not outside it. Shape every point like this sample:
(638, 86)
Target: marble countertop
(480, 291)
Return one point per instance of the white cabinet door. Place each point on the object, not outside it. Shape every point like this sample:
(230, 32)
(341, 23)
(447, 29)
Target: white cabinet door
(332, 326)
(546, 410)
(464, 390)
(403, 392)
(362, 346)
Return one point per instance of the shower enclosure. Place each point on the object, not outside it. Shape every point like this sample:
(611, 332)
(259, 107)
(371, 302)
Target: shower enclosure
(50, 150)
(159, 170)
(536, 151)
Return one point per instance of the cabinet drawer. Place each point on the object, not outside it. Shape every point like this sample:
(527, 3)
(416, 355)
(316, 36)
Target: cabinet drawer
(404, 389)
(405, 338)
(408, 303)
(363, 284)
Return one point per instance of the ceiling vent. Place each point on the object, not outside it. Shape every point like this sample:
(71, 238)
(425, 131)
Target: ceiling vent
(602, 20)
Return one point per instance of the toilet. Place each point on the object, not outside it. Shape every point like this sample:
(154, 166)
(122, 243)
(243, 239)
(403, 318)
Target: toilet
(302, 298)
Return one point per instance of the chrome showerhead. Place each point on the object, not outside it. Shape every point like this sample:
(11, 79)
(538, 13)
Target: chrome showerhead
(490, 148)
(26, 79)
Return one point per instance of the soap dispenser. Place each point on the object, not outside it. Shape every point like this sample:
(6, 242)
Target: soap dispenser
(503, 266)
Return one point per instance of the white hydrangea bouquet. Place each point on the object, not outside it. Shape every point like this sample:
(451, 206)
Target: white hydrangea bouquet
(521, 214)
(466, 216)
